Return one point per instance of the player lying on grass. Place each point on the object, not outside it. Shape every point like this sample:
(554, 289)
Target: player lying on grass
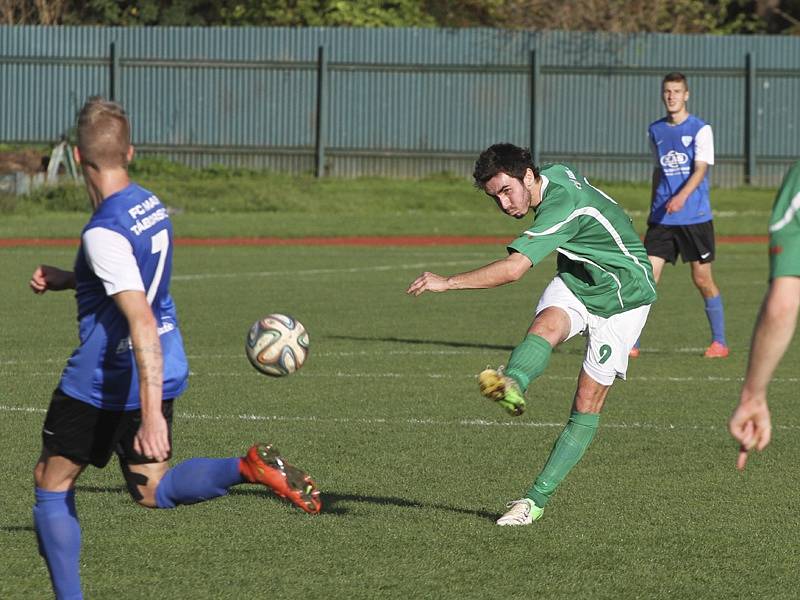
(603, 290)
(117, 391)
(750, 424)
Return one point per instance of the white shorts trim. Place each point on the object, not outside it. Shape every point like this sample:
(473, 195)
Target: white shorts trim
(609, 340)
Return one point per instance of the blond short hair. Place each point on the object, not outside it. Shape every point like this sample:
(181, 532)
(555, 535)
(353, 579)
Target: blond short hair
(104, 134)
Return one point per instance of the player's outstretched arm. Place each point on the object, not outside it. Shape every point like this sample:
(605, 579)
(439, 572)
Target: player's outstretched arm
(500, 272)
(750, 424)
(46, 278)
(152, 439)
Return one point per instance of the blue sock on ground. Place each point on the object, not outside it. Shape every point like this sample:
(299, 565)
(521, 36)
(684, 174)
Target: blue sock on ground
(197, 479)
(716, 318)
(59, 534)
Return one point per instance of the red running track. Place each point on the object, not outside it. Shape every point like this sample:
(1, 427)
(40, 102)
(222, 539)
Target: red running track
(409, 240)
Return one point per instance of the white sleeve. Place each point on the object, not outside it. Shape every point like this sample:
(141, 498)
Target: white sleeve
(704, 145)
(110, 256)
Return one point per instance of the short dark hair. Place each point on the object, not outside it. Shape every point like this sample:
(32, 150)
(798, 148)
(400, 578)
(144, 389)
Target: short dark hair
(503, 158)
(675, 77)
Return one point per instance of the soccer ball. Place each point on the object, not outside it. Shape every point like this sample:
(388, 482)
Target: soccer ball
(277, 345)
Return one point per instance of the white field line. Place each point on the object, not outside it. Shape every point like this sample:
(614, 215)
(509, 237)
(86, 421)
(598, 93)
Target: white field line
(336, 354)
(301, 272)
(482, 423)
(417, 375)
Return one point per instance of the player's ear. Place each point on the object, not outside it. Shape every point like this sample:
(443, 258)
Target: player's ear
(529, 178)
(76, 155)
(129, 154)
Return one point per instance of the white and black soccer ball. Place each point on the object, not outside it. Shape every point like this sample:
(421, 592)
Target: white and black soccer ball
(277, 345)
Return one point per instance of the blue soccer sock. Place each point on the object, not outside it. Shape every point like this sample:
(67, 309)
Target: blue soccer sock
(59, 536)
(197, 479)
(716, 318)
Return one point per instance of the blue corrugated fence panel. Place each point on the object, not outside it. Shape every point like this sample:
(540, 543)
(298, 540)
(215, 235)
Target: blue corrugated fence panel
(401, 102)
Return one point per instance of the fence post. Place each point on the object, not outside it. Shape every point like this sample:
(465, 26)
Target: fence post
(322, 72)
(113, 84)
(750, 119)
(535, 77)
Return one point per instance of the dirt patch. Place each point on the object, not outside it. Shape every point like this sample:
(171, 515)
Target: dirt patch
(28, 161)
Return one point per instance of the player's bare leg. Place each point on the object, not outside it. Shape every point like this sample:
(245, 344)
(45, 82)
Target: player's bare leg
(143, 480)
(56, 473)
(528, 360)
(566, 453)
(658, 265)
(704, 282)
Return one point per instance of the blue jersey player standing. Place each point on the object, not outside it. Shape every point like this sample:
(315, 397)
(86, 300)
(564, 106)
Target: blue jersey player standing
(117, 389)
(680, 220)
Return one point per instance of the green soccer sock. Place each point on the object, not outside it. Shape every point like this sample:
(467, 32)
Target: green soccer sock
(529, 360)
(566, 453)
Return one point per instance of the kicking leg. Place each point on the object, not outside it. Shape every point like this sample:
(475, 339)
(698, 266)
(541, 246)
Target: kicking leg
(155, 485)
(528, 360)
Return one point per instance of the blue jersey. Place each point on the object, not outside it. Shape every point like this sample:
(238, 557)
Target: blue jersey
(102, 370)
(676, 147)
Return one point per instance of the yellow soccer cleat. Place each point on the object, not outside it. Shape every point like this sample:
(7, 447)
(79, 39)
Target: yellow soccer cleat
(502, 389)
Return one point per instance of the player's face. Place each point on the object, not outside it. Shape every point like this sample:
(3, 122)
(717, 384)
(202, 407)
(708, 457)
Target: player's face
(674, 95)
(510, 195)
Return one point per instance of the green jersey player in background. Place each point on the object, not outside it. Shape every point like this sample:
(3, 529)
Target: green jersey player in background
(750, 424)
(603, 290)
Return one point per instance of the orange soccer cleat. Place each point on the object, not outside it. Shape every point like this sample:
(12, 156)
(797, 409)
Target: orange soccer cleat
(717, 350)
(264, 464)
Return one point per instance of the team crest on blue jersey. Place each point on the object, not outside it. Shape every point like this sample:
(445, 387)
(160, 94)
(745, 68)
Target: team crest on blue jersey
(687, 139)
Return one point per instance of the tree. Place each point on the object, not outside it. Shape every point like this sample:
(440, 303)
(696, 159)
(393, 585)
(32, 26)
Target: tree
(327, 13)
(22, 12)
(632, 16)
(622, 16)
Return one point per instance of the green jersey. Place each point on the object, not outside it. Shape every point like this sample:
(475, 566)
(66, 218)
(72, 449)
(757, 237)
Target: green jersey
(784, 228)
(600, 257)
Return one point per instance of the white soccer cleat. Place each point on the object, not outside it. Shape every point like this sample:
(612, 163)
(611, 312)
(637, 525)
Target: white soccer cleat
(522, 512)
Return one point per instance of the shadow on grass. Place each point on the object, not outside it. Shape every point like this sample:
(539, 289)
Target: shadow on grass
(331, 503)
(569, 349)
(16, 528)
(397, 340)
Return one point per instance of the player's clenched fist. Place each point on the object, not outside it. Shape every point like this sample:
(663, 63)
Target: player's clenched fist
(428, 282)
(46, 278)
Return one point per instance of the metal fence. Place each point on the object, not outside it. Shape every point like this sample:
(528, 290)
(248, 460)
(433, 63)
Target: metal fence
(405, 102)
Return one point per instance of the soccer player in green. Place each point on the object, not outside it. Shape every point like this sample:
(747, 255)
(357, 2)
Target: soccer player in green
(603, 290)
(750, 424)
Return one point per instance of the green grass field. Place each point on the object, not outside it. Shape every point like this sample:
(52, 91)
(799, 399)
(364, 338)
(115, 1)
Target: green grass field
(414, 465)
